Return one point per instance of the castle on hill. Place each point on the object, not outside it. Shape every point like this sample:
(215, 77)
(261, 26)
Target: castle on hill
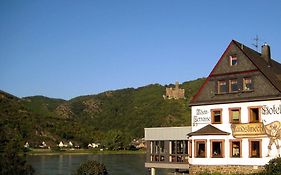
(174, 93)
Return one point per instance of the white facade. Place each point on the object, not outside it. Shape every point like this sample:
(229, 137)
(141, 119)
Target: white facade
(269, 111)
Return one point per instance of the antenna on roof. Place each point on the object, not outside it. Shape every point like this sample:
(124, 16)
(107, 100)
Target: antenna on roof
(256, 44)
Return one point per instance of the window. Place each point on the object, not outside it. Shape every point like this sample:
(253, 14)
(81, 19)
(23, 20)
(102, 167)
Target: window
(255, 148)
(233, 85)
(254, 114)
(247, 84)
(222, 88)
(234, 115)
(216, 116)
(200, 149)
(217, 148)
(159, 147)
(233, 60)
(178, 151)
(178, 147)
(235, 148)
(157, 151)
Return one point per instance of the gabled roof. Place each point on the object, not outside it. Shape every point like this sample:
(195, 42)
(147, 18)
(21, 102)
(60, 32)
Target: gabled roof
(272, 73)
(208, 130)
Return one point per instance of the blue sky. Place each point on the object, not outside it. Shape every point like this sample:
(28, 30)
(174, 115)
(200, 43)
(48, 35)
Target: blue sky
(68, 48)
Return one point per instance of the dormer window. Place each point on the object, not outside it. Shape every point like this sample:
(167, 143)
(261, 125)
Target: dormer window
(233, 60)
(233, 85)
(247, 84)
(222, 88)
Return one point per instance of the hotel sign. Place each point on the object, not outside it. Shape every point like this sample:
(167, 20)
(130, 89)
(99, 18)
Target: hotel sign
(248, 130)
(271, 113)
(271, 110)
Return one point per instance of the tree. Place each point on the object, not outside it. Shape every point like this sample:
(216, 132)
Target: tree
(114, 140)
(91, 167)
(13, 164)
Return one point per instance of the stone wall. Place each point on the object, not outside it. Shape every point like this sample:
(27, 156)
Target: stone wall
(224, 169)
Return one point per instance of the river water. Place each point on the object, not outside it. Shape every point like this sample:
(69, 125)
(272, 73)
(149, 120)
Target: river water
(116, 164)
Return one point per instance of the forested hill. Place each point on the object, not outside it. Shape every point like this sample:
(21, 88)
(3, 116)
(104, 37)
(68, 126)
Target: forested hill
(94, 118)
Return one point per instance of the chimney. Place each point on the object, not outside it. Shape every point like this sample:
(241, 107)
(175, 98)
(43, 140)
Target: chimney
(265, 53)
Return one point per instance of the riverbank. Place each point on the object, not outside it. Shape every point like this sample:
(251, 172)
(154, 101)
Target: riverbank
(80, 152)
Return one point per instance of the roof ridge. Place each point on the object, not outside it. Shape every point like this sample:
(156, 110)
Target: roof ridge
(208, 130)
(244, 46)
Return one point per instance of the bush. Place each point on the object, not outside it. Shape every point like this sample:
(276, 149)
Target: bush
(91, 167)
(273, 167)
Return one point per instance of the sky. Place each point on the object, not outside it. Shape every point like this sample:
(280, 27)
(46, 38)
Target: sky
(68, 48)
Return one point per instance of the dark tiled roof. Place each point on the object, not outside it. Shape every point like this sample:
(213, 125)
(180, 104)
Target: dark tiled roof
(272, 73)
(208, 130)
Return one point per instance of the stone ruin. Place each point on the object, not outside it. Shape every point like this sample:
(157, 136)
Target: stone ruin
(174, 93)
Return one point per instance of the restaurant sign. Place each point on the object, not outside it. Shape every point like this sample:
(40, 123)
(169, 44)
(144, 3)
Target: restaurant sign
(202, 116)
(248, 130)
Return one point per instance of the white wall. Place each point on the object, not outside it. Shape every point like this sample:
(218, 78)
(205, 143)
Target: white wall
(225, 113)
(201, 116)
(227, 160)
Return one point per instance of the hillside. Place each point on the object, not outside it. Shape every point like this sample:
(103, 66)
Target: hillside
(15, 121)
(113, 115)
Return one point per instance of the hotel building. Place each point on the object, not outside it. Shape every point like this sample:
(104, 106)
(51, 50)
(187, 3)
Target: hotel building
(236, 116)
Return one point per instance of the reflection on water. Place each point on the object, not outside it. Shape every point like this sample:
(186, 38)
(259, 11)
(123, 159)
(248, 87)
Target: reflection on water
(67, 164)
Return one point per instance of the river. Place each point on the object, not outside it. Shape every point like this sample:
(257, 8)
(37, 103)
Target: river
(116, 164)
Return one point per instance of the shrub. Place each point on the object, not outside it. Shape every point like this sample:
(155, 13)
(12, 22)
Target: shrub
(273, 167)
(91, 167)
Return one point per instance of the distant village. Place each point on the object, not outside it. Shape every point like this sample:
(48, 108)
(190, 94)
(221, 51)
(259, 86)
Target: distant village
(68, 145)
